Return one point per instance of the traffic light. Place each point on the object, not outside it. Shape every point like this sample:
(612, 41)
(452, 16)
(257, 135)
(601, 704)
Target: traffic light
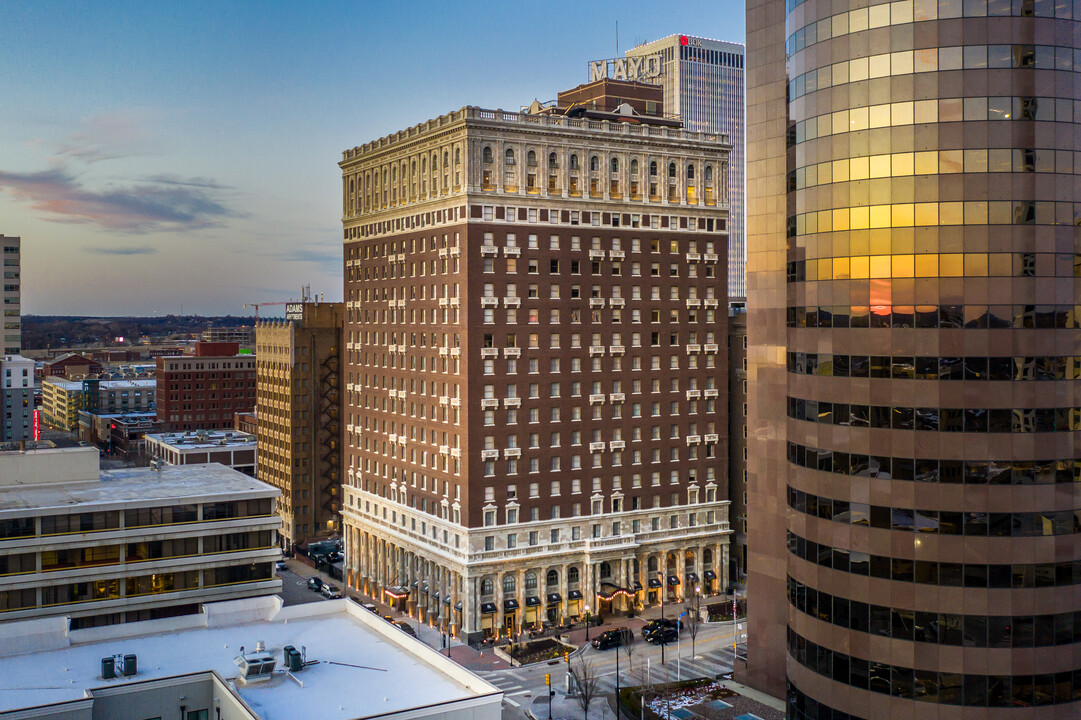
(567, 658)
(548, 679)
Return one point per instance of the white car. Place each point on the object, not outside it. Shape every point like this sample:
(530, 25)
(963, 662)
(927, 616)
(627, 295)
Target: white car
(330, 592)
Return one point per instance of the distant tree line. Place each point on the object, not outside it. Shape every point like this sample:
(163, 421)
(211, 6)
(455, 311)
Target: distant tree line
(45, 331)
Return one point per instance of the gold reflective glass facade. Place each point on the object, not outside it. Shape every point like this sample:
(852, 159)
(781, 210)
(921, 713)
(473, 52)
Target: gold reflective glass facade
(931, 500)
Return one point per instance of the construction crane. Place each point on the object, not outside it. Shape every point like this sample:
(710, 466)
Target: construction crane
(258, 305)
(305, 296)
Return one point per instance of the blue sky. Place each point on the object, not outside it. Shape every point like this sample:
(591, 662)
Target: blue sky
(159, 155)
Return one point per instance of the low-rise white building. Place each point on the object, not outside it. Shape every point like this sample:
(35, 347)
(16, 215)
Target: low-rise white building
(230, 448)
(105, 547)
(229, 662)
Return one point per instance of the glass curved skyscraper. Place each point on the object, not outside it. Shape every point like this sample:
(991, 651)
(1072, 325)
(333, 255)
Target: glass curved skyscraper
(914, 287)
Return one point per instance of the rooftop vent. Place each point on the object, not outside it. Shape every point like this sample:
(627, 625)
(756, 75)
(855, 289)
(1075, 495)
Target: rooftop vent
(255, 666)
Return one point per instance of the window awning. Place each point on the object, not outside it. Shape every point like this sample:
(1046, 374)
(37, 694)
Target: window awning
(673, 580)
(654, 583)
(710, 575)
(510, 604)
(415, 583)
(424, 588)
(692, 577)
(574, 595)
(458, 606)
(397, 591)
(436, 595)
(637, 586)
(486, 608)
(532, 601)
(446, 601)
(554, 598)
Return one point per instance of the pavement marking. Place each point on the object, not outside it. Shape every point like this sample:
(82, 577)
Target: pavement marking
(511, 702)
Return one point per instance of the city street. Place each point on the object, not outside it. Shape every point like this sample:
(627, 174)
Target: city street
(713, 657)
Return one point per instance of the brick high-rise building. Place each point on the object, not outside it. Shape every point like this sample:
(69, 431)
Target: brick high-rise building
(298, 417)
(202, 391)
(913, 319)
(536, 377)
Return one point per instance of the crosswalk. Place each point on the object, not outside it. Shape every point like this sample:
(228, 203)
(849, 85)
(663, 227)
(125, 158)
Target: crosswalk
(511, 682)
(707, 664)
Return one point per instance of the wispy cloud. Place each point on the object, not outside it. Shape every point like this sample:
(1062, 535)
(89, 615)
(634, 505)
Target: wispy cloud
(326, 257)
(144, 250)
(119, 134)
(144, 206)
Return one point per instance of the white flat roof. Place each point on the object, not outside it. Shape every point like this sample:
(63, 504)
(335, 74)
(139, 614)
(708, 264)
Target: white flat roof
(365, 666)
(133, 487)
(210, 441)
(65, 384)
(121, 384)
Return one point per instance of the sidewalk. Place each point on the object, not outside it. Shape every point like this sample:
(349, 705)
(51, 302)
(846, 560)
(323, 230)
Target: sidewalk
(483, 659)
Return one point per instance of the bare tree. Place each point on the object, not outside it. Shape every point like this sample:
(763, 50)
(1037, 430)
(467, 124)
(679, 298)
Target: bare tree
(586, 680)
(693, 623)
(629, 647)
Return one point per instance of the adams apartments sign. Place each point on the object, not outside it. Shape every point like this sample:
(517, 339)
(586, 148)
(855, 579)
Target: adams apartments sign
(645, 69)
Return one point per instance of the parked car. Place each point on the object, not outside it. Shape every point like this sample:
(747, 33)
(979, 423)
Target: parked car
(406, 627)
(330, 592)
(280, 565)
(370, 608)
(389, 619)
(613, 638)
(315, 584)
(662, 636)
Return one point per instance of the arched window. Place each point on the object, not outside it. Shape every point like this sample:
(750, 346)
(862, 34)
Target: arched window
(487, 587)
(594, 163)
(634, 167)
(653, 168)
(614, 165)
(446, 158)
(508, 156)
(709, 173)
(530, 581)
(606, 570)
(652, 565)
(531, 158)
(486, 154)
(458, 155)
(352, 185)
(423, 165)
(553, 161)
(572, 574)
(671, 170)
(574, 162)
(552, 579)
(413, 169)
(707, 557)
(509, 584)
(690, 172)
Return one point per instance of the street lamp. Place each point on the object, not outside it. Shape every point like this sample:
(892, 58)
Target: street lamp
(587, 622)
(664, 591)
(697, 616)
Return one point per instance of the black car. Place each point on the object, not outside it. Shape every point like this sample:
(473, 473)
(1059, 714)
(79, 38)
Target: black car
(662, 636)
(650, 627)
(613, 638)
(315, 584)
(406, 627)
